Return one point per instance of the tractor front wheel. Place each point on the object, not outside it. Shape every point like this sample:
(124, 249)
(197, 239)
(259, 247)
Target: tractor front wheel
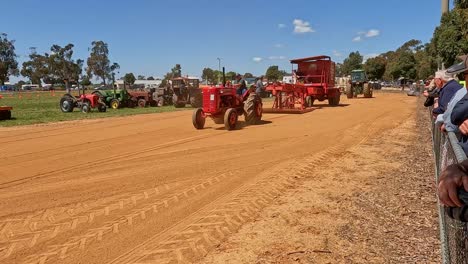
(349, 91)
(85, 107)
(253, 109)
(102, 108)
(198, 118)
(115, 103)
(141, 102)
(230, 119)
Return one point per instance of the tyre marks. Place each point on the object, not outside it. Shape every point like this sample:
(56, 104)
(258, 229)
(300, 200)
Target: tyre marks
(195, 237)
(114, 217)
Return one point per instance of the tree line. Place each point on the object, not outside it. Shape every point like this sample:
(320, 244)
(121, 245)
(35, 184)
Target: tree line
(58, 65)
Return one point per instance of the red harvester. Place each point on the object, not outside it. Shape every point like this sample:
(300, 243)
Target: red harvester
(315, 81)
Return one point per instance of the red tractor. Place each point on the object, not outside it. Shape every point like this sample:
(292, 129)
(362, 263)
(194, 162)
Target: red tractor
(224, 106)
(83, 101)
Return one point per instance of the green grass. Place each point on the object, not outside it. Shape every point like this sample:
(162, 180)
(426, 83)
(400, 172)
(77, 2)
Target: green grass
(42, 107)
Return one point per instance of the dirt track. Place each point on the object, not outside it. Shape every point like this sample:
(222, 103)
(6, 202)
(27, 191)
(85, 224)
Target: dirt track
(152, 189)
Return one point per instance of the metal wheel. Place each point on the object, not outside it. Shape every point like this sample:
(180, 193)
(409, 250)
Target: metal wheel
(66, 104)
(198, 118)
(141, 102)
(230, 119)
(115, 103)
(85, 107)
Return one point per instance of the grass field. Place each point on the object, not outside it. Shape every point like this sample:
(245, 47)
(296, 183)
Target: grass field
(43, 107)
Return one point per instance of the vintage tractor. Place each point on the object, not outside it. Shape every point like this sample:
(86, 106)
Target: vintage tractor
(83, 101)
(224, 106)
(116, 98)
(143, 98)
(186, 91)
(5, 112)
(358, 84)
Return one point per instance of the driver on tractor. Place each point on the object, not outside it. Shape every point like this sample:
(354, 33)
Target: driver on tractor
(243, 85)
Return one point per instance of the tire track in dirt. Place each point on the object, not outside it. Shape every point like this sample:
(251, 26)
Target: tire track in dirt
(127, 210)
(74, 130)
(195, 236)
(115, 158)
(118, 214)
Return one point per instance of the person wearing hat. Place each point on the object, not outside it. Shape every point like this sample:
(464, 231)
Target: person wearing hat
(448, 87)
(455, 176)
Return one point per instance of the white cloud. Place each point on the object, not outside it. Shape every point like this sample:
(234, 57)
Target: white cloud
(281, 26)
(372, 33)
(357, 39)
(337, 54)
(370, 55)
(301, 26)
(257, 59)
(279, 45)
(368, 34)
(277, 57)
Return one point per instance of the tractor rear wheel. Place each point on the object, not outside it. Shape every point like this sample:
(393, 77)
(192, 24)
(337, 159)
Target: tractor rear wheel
(5, 115)
(85, 107)
(367, 91)
(253, 109)
(230, 119)
(141, 102)
(175, 101)
(102, 108)
(115, 104)
(349, 91)
(66, 104)
(334, 101)
(198, 118)
(196, 100)
(160, 101)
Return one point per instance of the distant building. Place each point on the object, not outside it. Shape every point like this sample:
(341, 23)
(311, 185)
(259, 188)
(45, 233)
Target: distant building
(147, 83)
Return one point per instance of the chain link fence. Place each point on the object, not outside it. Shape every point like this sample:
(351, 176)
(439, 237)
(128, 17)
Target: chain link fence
(453, 233)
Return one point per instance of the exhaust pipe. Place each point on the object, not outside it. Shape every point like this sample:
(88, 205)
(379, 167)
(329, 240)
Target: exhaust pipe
(224, 78)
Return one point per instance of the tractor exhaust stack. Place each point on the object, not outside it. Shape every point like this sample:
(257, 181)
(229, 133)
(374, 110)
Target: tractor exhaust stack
(224, 78)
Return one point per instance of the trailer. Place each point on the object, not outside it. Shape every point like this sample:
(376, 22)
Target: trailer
(313, 79)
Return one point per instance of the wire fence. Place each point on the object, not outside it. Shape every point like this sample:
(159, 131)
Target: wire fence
(453, 233)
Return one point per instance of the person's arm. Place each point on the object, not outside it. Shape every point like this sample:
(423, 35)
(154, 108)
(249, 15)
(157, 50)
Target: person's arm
(460, 111)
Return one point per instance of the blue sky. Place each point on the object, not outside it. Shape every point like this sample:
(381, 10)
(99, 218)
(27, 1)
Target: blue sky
(149, 37)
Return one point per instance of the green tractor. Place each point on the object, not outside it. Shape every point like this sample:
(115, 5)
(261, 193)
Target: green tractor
(116, 98)
(359, 84)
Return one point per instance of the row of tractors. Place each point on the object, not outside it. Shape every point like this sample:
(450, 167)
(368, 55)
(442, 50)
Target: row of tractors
(180, 92)
(315, 80)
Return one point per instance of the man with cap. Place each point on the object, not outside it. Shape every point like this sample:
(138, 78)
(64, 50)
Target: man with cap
(448, 87)
(455, 176)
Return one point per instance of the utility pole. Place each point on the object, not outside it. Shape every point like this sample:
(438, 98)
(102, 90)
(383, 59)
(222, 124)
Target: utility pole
(445, 6)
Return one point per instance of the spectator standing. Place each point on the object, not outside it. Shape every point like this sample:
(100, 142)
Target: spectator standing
(448, 87)
(455, 176)
(259, 85)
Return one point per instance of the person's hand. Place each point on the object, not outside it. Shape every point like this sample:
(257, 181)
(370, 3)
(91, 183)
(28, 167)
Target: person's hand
(442, 128)
(426, 93)
(464, 127)
(451, 179)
